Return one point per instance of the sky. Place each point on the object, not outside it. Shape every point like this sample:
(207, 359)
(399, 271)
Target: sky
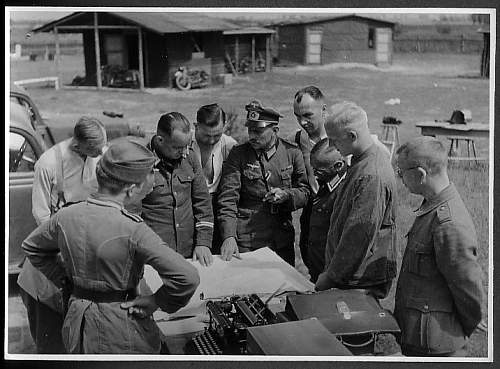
(46, 16)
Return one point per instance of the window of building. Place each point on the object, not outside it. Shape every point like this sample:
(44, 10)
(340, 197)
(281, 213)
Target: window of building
(371, 38)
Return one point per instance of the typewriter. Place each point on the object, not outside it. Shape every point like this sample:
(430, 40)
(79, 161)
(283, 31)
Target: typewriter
(230, 317)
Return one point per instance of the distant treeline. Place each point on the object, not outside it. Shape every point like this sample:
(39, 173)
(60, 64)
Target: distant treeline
(445, 38)
(461, 44)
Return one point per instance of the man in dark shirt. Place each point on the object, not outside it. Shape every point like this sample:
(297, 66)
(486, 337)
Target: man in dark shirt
(330, 170)
(179, 209)
(309, 108)
(361, 243)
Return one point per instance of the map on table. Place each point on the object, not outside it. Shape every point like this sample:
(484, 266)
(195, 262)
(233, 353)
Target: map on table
(261, 272)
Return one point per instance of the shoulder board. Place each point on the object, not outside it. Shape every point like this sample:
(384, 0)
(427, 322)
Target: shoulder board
(135, 217)
(289, 143)
(443, 213)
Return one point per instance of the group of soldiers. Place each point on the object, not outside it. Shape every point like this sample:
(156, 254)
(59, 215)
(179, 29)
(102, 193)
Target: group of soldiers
(106, 209)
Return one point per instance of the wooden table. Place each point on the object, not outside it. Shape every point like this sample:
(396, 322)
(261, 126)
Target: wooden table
(457, 132)
(469, 130)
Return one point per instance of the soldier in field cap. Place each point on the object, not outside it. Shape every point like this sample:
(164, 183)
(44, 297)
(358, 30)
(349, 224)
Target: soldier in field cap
(263, 181)
(105, 248)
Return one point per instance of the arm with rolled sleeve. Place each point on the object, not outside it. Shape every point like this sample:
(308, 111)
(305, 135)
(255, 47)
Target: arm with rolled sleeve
(42, 249)
(202, 207)
(358, 234)
(180, 278)
(42, 191)
(456, 248)
(229, 195)
(300, 191)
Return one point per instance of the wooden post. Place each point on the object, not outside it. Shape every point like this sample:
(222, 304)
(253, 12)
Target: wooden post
(462, 43)
(58, 56)
(141, 62)
(233, 69)
(268, 53)
(97, 52)
(237, 53)
(146, 57)
(253, 54)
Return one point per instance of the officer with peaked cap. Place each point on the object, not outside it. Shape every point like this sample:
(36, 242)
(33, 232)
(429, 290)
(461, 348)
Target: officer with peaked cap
(105, 248)
(263, 181)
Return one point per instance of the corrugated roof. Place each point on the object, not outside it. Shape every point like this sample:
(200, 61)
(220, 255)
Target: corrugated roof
(306, 19)
(177, 22)
(249, 31)
(159, 22)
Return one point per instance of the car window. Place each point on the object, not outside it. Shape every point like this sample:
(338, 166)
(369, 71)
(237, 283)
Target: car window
(27, 108)
(22, 157)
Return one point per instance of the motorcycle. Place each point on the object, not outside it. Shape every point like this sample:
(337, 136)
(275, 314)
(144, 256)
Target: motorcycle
(186, 79)
(118, 76)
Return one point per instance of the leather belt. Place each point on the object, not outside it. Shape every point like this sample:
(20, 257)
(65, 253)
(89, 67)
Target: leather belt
(103, 296)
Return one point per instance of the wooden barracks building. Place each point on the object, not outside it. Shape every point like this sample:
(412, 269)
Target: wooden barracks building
(341, 38)
(155, 44)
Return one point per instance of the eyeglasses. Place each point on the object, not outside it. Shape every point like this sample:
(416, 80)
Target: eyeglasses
(400, 171)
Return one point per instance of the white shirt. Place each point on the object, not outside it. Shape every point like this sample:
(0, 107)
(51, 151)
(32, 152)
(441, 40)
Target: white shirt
(78, 176)
(79, 182)
(219, 154)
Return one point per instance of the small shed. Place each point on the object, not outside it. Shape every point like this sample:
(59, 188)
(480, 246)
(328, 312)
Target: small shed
(342, 38)
(249, 47)
(485, 54)
(151, 44)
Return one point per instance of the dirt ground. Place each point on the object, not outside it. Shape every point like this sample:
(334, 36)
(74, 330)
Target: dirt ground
(429, 86)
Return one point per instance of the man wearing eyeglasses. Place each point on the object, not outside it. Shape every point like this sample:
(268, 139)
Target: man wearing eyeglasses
(439, 293)
(329, 168)
(361, 243)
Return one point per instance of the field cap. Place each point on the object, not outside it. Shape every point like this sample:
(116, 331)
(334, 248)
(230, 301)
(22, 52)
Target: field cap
(259, 116)
(460, 117)
(127, 161)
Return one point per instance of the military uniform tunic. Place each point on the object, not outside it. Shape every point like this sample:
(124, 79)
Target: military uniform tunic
(105, 248)
(439, 292)
(241, 211)
(318, 224)
(361, 243)
(179, 209)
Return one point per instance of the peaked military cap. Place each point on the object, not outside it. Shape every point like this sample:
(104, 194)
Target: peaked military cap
(259, 116)
(127, 161)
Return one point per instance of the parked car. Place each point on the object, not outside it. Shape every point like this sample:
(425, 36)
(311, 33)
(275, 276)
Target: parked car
(29, 136)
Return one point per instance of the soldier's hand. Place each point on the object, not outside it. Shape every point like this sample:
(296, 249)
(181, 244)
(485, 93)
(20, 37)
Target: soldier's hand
(141, 306)
(203, 255)
(276, 196)
(322, 282)
(229, 248)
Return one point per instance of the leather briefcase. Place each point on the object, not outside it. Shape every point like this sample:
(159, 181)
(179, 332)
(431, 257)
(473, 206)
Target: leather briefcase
(354, 316)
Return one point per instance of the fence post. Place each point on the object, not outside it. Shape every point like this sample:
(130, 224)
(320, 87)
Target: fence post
(418, 45)
(462, 43)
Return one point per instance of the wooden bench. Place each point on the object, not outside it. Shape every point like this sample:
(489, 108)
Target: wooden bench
(44, 81)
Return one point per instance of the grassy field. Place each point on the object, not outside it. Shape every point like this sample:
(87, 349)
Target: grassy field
(429, 86)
